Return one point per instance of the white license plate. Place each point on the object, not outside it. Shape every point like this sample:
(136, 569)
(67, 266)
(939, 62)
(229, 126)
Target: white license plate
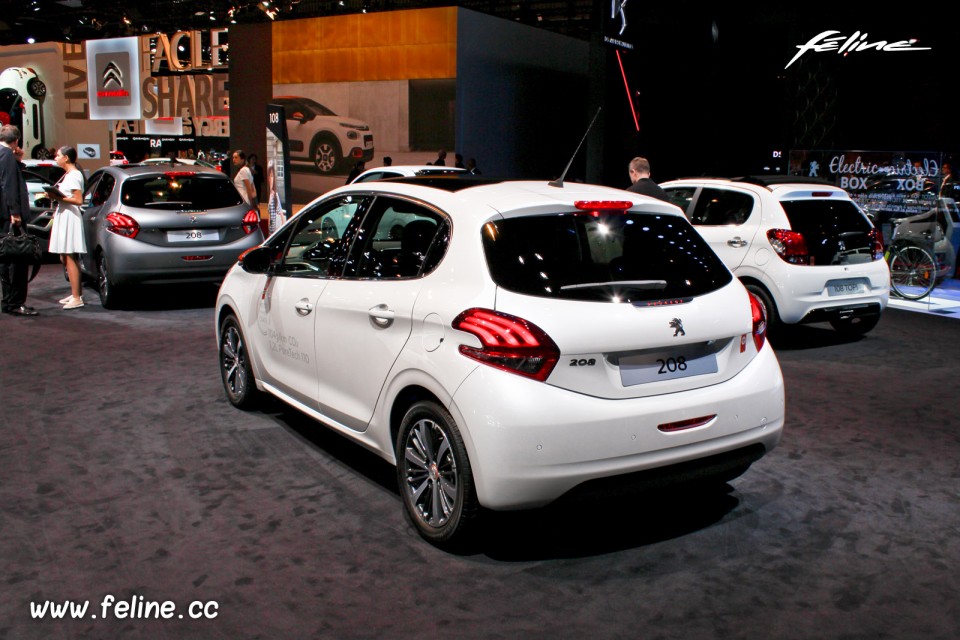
(664, 366)
(193, 235)
(845, 287)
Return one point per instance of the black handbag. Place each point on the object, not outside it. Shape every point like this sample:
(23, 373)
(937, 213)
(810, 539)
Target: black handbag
(20, 247)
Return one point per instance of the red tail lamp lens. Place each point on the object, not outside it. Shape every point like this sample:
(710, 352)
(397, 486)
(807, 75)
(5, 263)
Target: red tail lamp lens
(682, 425)
(789, 245)
(122, 225)
(251, 221)
(759, 322)
(509, 343)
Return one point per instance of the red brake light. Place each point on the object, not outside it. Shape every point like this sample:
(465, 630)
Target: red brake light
(251, 221)
(759, 322)
(173, 175)
(122, 225)
(603, 205)
(876, 240)
(509, 343)
(822, 194)
(789, 245)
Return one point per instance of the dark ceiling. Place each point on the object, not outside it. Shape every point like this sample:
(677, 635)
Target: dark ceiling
(77, 20)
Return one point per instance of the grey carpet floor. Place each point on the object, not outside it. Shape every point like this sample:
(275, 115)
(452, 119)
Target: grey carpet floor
(124, 473)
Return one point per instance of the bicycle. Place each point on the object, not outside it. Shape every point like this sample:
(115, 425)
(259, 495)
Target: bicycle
(913, 270)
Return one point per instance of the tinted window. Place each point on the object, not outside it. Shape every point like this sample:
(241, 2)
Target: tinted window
(834, 230)
(100, 189)
(615, 257)
(319, 239)
(396, 240)
(681, 196)
(721, 207)
(49, 173)
(174, 191)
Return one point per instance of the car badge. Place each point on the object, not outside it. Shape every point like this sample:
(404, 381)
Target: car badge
(677, 325)
(112, 75)
(193, 219)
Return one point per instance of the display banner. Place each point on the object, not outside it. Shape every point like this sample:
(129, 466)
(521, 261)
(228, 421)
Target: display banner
(280, 192)
(113, 84)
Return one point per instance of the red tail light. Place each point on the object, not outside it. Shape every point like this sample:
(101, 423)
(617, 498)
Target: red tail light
(789, 245)
(509, 343)
(173, 175)
(759, 322)
(251, 221)
(876, 241)
(122, 225)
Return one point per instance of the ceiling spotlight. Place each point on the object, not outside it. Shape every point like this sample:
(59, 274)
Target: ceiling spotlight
(127, 21)
(30, 40)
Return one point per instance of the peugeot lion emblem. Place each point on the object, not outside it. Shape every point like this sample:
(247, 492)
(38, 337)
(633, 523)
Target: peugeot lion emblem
(112, 73)
(677, 325)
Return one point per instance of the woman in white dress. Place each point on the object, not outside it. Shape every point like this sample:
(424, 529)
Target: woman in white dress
(66, 235)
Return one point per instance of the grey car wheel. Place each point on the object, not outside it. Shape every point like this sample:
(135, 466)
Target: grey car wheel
(108, 290)
(434, 474)
(235, 369)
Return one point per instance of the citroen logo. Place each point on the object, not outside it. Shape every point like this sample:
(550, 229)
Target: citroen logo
(112, 74)
(677, 325)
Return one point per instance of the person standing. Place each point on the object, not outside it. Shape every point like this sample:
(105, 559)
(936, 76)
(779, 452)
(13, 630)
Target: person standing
(639, 170)
(66, 234)
(243, 179)
(257, 172)
(14, 205)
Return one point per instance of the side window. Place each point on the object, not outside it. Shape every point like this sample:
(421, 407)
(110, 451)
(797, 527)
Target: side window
(319, 239)
(101, 189)
(719, 207)
(682, 197)
(400, 239)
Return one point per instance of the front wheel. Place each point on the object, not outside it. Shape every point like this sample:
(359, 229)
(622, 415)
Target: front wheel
(235, 369)
(326, 155)
(434, 475)
(913, 272)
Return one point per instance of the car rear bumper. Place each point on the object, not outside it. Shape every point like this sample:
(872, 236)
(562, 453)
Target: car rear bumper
(130, 261)
(537, 442)
(804, 293)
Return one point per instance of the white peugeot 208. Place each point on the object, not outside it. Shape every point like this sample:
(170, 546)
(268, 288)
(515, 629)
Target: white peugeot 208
(504, 343)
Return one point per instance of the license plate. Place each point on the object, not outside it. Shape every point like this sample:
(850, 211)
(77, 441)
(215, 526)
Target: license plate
(193, 235)
(845, 287)
(664, 366)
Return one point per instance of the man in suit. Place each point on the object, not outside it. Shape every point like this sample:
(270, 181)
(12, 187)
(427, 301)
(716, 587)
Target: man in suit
(14, 205)
(639, 171)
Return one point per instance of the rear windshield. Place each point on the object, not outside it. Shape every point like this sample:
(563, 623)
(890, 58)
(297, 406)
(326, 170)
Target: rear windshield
(177, 192)
(834, 230)
(631, 257)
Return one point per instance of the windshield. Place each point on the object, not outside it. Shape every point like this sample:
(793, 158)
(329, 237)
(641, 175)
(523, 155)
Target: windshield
(613, 257)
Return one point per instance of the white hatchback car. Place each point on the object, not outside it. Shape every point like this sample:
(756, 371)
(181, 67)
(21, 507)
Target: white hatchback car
(802, 246)
(509, 343)
(22, 94)
(318, 135)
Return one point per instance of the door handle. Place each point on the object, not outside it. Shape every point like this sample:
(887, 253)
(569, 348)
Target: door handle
(381, 315)
(303, 307)
(737, 242)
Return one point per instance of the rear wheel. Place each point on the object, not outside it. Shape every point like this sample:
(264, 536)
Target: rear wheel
(434, 475)
(913, 272)
(36, 88)
(235, 369)
(110, 294)
(769, 307)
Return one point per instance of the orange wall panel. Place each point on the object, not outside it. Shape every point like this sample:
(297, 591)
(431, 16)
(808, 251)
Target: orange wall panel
(388, 45)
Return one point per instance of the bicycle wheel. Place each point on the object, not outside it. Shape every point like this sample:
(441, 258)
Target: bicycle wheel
(913, 272)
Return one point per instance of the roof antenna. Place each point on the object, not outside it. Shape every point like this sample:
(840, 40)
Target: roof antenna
(559, 181)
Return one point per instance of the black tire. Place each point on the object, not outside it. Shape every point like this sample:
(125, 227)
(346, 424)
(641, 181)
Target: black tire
(36, 88)
(235, 370)
(769, 308)
(110, 293)
(434, 476)
(913, 272)
(326, 154)
(856, 326)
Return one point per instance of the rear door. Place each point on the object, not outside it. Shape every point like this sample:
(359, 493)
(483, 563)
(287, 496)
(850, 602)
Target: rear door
(728, 219)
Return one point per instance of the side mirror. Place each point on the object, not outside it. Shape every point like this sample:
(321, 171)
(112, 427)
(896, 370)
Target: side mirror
(257, 259)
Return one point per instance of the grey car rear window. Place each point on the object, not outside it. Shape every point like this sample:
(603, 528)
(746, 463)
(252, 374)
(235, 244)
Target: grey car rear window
(176, 190)
(614, 257)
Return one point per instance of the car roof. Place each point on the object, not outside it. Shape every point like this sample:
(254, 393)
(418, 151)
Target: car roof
(155, 168)
(485, 195)
(411, 169)
(781, 187)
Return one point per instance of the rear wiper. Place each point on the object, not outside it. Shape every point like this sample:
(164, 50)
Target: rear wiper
(627, 284)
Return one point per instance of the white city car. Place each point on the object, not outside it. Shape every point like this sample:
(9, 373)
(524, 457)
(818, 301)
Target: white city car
(801, 245)
(22, 93)
(504, 343)
(333, 143)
